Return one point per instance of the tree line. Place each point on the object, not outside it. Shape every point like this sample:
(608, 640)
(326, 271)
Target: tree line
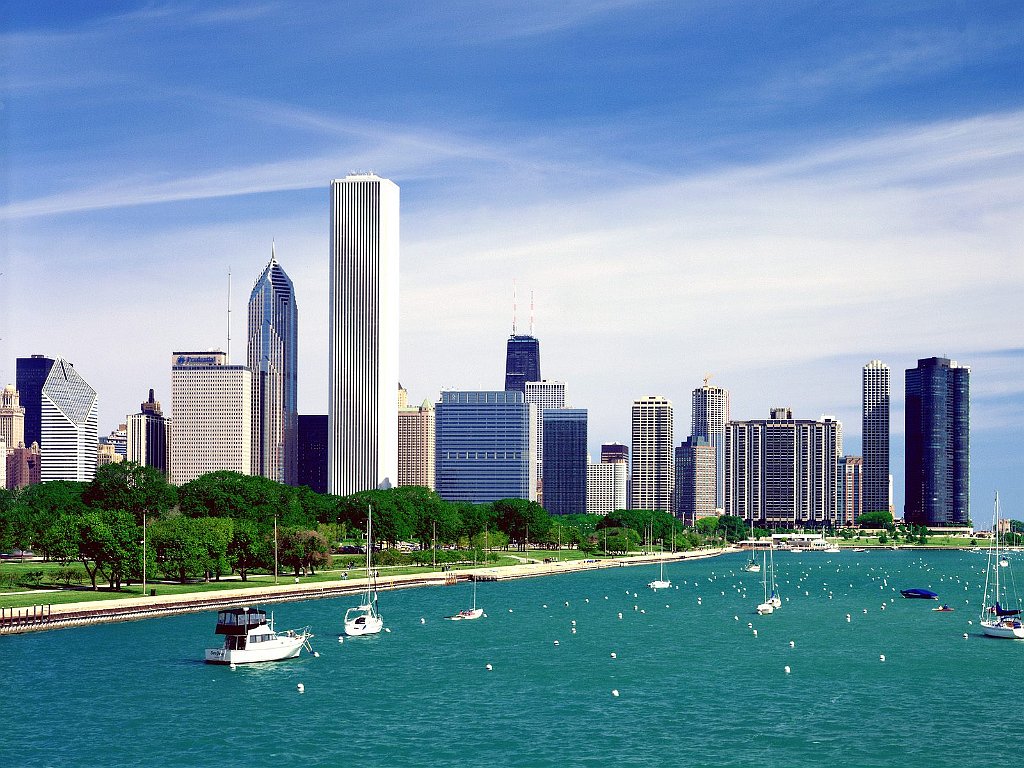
(223, 523)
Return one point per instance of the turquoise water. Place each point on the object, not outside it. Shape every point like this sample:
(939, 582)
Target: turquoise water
(696, 686)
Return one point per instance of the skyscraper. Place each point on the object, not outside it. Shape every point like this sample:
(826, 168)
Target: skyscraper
(12, 419)
(543, 395)
(653, 475)
(68, 425)
(522, 362)
(416, 439)
(211, 406)
(273, 357)
(709, 416)
(938, 443)
(565, 461)
(695, 480)
(875, 435)
(29, 379)
(312, 461)
(363, 361)
(606, 487)
(148, 436)
(850, 503)
(612, 453)
(485, 447)
(782, 472)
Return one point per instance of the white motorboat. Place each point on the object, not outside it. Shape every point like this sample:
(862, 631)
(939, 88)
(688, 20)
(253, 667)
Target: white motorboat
(250, 638)
(997, 619)
(365, 619)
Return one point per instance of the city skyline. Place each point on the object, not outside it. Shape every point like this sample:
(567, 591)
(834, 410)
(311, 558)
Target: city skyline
(630, 191)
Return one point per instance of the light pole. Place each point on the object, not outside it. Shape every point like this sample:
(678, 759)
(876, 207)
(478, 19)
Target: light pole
(143, 554)
(275, 547)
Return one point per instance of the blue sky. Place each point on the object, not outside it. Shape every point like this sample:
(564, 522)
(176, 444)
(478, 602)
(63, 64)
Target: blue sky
(774, 193)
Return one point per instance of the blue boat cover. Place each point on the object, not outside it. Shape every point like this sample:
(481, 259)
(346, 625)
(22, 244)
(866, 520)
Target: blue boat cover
(926, 593)
(1000, 611)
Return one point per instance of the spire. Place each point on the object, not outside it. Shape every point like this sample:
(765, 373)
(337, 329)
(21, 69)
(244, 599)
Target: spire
(273, 251)
(531, 312)
(151, 398)
(513, 307)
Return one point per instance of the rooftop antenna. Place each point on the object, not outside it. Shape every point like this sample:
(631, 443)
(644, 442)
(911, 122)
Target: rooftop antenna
(513, 307)
(273, 250)
(229, 315)
(707, 379)
(531, 313)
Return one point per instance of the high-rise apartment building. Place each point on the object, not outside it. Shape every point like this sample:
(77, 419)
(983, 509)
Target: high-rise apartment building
(522, 362)
(696, 480)
(653, 475)
(69, 410)
(565, 461)
(606, 487)
(362, 411)
(29, 379)
(416, 437)
(12, 419)
(148, 436)
(211, 409)
(782, 472)
(875, 435)
(23, 466)
(938, 404)
(710, 414)
(850, 501)
(485, 446)
(543, 395)
(273, 357)
(312, 469)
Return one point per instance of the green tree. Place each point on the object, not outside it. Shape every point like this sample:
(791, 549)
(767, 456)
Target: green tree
(238, 496)
(876, 520)
(37, 508)
(180, 550)
(248, 548)
(105, 543)
(304, 550)
(216, 535)
(132, 487)
(733, 528)
(521, 518)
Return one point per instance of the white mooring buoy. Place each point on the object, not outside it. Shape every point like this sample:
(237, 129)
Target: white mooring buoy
(615, 692)
(301, 688)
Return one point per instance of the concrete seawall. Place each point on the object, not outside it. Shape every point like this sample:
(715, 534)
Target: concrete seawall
(43, 617)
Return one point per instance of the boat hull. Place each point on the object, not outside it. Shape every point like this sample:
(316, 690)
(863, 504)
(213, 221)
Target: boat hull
(467, 615)
(765, 608)
(660, 584)
(1006, 630)
(362, 624)
(282, 648)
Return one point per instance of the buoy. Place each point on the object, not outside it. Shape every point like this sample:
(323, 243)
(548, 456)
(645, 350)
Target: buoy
(574, 622)
(574, 630)
(636, 607)
(787, 670)
(386, 629)
(489, 667)
(965, 635)
(615, 692)
(620, 615)
(615, 657)
(792, 644)
(544, 606)
(233, 665)
(422, 620)
(586, 599)
(749, 625)
(341, 639)
(316, 654)
(510, 610)
(755, 633)
(735, 618)
(865, 610)
(566, 602)
(301, 688)
(881, 657)
(556, 642)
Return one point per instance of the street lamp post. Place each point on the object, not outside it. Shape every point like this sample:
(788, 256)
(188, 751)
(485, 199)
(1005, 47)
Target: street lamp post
(143, 554)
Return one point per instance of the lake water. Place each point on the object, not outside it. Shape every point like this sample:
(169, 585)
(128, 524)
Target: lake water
(696, 687)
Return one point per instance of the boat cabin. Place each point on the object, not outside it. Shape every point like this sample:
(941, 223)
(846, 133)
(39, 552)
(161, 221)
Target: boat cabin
(239, 621)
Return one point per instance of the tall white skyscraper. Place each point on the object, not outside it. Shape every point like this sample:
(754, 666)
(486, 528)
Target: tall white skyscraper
(654, 469)
(68, 425)
(875, 436)
(211, 406)
(709, 417)
(606, 487)
(273, 356)
(362, 443)
(544, 395)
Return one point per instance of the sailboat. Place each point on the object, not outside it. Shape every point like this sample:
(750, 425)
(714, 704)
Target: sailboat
(468, 613)
(661, 582)
(767, 606)
(365, 619)
(996, 619)
(752, 565)
(773, 597)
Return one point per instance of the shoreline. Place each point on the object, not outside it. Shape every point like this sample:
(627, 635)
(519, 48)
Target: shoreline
(41, 618)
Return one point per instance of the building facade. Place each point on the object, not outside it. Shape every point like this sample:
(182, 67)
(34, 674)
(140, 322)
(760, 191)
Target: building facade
(606, 487)
(565, 460)
(23, 467)
(363, 360)
(612, 453)
(522, 362)
(485, 446)
(653, 475)
(696, 480)
(938, 404)
(211, 409)
(710, 414)
(30, 376)
(12, 419)
(783, 472)
(273, 358)
(148, 436)
(68, 425)
(875, 386)
(312, 461)
(850, 501)
(543, 395)
(416, 437)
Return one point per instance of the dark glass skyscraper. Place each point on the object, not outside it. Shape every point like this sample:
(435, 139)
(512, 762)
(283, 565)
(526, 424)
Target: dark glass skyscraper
(273, 359)
(30, 376)
(312, 469)
(522, 362)
(938, 443)
(565, 447)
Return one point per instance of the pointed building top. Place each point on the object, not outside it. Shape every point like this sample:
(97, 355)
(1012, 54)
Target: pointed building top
(273, 251)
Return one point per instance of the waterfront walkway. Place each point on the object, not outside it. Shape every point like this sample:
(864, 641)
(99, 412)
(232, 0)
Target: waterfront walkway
(43, 617)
